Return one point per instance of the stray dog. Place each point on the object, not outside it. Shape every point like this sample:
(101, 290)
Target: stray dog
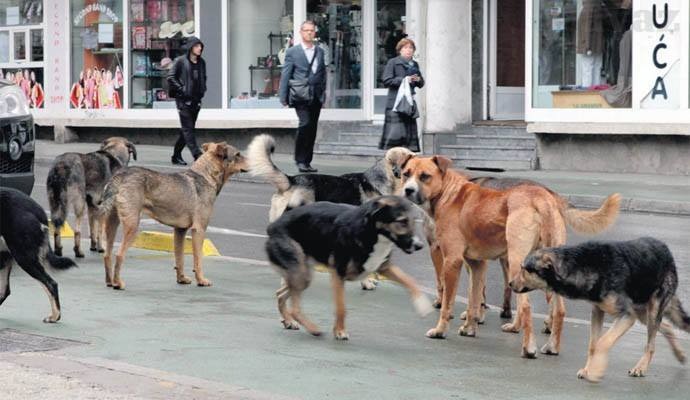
(298, 190)
(475, 224)
(351, 241)
(24, 239)
(630, 280)
(182, 200)
(78, 180)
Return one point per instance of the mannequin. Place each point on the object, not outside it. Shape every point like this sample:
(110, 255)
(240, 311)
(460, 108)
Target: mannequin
(590, 42)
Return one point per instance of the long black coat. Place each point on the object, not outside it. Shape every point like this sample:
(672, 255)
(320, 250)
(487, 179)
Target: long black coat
(397, 69)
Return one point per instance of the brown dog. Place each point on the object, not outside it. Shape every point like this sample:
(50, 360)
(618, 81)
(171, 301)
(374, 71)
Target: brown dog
(183, 200)
(476, 224)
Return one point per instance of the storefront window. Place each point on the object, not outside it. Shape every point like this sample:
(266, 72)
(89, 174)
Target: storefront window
(259, 33)
(582, 54)
(21, 47)
(339, 33)
(21, 12)
(96, 76)
(158, 30)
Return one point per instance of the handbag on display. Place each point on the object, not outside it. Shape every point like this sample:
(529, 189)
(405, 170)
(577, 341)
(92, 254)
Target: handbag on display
(300, 90)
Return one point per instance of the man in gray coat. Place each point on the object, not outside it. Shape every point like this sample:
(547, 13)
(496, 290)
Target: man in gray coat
(305, 61)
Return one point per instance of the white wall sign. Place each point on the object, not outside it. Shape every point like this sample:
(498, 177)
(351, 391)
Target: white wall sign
(657, 65)
(56, 40)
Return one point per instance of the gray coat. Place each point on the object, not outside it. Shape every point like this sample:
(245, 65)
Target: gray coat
(297, 67)
(394, 73)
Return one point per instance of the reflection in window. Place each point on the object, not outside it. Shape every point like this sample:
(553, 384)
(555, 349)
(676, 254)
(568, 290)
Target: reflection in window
(259, 33)
(37, 45)
(19, 46)
(21, 12)
(583, 53)
(4, 47)
(339, 33)
(390, 28)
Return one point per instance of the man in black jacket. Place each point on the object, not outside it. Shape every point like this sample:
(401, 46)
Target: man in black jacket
(187, 81)
(305, 61)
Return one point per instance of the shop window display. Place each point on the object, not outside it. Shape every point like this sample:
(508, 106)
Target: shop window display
(259, 33)
(390, 28)
(96, 75)
(30, 80)
(21, 12)
(158, 30)
(582, 54)
(339, 33)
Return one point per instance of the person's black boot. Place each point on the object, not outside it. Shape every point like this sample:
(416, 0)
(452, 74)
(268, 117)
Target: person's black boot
(177, 160)
(302, 167)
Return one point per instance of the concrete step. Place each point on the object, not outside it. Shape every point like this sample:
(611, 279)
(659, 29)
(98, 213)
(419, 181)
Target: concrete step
(493, 130)
(359, 138)
(348, 148)
(350, 126)
(498, 141)
(489, 152)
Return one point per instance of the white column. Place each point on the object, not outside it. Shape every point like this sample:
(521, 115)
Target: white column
(448, 75)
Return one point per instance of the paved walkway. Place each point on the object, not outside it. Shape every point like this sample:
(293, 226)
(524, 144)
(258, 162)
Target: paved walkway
(665, 194)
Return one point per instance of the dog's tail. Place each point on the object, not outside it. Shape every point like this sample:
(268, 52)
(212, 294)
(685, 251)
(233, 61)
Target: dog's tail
(591, 222)
(678, 316)
(57, 192)
(60, 263)
(105, 206)
(260, 163)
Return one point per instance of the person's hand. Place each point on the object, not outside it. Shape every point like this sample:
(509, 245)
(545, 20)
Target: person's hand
(414, 78)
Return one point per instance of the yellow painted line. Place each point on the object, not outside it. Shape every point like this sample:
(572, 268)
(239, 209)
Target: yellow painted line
(160, 241)
(65, 232)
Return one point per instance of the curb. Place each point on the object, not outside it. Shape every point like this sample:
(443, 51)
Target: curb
(65, 232)
(159, 241)
(653, 206)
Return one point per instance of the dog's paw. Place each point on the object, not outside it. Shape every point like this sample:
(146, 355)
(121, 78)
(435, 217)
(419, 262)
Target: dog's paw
(549, 348)
(434, 333)
(119, 285)
(637, 372)
(529, 353)
(369, 284)
(469, 331)
(422, 305)
(680, 356)
(58, 251)
(437, 303)
(510, 328)
(290, 324)
(78, 253)
(582, 373)
(51, 319)
(341, 335)
(506, 314)
(204, 282)
(463, 316)
(93, 248)
(101, 250)
(184, 280)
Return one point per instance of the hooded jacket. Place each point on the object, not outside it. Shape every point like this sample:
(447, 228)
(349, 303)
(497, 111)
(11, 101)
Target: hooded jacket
(180, 76)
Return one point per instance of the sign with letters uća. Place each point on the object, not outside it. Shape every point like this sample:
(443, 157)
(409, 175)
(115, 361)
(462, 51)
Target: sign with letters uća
(657, 53)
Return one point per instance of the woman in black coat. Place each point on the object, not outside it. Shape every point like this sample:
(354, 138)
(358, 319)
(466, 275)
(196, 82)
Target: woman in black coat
(399, 129)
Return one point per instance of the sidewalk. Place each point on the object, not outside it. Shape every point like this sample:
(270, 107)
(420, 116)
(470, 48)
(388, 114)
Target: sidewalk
(662, 194)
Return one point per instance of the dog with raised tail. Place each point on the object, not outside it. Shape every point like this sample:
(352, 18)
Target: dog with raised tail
(632, 280)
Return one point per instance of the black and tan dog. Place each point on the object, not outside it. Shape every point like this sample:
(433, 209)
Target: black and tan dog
(77, 180)
(182, 200)
(630, 280)
(293, 191)
(24, 239)
(351, 241)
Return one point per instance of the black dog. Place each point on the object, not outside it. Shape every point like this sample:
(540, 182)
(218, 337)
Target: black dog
(630, 280)
(351, 241)
(24, 238)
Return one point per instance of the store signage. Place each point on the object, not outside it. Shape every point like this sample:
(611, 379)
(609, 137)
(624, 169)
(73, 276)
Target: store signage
(96, 7)
(657, 66)
(56, 70)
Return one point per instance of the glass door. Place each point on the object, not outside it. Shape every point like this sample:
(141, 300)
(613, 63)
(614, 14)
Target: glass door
(390, 28)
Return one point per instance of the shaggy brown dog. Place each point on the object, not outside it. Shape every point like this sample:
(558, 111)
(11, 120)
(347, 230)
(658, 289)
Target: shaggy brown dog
(77, 180)
(183, 200)
(476, 224)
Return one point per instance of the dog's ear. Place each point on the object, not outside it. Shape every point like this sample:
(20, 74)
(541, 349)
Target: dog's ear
(105, 143)
(205, 147)
(221, 150)
(382, 204)
(132, 149)
(443, 163)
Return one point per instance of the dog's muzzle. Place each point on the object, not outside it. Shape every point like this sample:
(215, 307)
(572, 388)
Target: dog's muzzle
(414, 246)
(517, 287)
(412, 194)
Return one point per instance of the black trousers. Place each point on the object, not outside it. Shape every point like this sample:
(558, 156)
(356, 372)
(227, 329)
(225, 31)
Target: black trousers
(188, 116)
(306, 131)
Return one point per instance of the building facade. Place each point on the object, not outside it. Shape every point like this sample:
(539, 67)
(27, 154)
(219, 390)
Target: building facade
(573, 84)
